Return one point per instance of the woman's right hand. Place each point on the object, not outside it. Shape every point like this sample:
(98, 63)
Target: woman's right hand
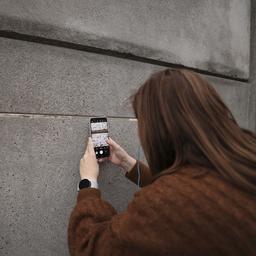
(119, 156)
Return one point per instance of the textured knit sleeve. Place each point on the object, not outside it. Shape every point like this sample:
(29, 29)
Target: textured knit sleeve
(96, 229)
(145, 174)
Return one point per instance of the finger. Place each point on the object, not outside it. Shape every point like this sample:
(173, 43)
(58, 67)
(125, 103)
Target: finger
(86, 149)
(90, 145)
(111, 142)
(103, 159)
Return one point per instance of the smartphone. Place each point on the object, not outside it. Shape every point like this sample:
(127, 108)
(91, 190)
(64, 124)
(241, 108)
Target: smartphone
(99, 135)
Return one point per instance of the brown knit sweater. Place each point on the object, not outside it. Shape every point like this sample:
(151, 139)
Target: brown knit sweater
(190, 212)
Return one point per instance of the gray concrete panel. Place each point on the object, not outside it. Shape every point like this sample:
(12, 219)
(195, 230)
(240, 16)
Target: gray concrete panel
(209, 35)
(39, 166)
(252, 99)
(37, 78)
(236, 96)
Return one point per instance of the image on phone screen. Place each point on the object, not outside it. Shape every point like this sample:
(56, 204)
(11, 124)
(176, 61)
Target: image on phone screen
(99, 135)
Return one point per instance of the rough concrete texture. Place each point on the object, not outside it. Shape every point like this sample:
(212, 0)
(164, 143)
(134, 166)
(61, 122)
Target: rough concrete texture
(209, 35)
(39, 163)
(45, 79)
(50, 80)
(252, 80)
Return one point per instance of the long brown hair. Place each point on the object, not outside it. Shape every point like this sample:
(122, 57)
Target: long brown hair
(182, 120)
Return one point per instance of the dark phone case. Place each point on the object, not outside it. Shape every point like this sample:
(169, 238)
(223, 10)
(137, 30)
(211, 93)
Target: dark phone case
(103, 151)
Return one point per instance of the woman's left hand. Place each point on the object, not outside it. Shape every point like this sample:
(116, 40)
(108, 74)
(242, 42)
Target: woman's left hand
(89, 167)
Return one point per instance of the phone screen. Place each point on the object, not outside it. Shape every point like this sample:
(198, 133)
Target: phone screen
(99, 134)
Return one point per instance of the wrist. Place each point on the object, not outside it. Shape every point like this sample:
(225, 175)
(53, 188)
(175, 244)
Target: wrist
(128, 163)
(89, 177)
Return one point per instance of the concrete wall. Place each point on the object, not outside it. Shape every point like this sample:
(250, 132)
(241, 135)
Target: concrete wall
(252, 79)
(64, 61)
(209, 35)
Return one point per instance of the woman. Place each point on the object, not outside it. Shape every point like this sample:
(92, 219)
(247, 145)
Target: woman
(199, 191)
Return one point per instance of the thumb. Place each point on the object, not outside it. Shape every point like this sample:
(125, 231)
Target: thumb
(112, 143)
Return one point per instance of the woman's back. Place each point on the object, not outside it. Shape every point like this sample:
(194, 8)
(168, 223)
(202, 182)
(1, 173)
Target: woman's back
(193, 212)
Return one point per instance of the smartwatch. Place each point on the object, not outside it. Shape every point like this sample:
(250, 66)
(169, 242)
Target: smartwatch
(86, 183)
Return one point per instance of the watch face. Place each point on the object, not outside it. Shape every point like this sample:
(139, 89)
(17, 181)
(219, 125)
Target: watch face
(84, 184)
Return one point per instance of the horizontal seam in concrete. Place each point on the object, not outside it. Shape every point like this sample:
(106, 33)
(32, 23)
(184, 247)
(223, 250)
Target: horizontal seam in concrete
(21, 114)
(79, 47)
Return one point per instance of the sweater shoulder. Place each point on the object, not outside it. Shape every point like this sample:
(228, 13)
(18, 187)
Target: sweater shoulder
(194, 203)
(191, 186)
